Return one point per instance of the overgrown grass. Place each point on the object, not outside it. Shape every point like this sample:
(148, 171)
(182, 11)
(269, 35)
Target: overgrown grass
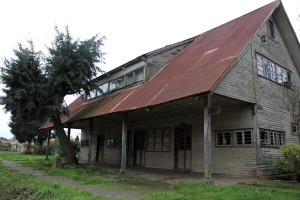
(194, 191)
(84, 174)
(19, 186)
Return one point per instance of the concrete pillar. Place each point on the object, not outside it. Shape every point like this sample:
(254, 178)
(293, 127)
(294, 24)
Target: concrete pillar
(207, 137)
(124, 144)
(90, 141)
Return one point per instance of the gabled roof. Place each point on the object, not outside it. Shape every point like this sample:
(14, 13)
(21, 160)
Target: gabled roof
(197, 69)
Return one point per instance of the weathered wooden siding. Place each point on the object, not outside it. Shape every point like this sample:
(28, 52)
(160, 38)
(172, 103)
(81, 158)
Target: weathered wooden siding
(157, 61)
(239, 81)
(269, 95)
(239, 161)
(226, 160)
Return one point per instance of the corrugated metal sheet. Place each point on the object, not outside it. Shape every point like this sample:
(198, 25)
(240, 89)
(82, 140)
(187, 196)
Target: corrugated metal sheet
(73, 107)
(197, 69)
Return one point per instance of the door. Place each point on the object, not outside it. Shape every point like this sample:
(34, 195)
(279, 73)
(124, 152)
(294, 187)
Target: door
(139, 148)
(100, 149)
(183, 148)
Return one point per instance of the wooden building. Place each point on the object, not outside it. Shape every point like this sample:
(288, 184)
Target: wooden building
(211, 103)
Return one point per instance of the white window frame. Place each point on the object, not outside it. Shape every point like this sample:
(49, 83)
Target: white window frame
(272, 71)
(223, 139)
(274, 138)
(294, 129)
(243, 137)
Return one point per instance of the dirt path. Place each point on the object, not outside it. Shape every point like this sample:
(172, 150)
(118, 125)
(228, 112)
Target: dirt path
(94, 189)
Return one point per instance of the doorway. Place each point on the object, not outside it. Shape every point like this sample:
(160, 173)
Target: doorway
(183, 148)
(100, 149)
(139, 148)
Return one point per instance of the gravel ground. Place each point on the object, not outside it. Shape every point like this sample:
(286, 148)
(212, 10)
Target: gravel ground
(94, 189)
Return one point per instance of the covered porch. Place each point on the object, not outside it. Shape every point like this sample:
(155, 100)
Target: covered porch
(177, 136)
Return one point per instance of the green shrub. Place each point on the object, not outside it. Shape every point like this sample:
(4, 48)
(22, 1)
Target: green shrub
(290, 162)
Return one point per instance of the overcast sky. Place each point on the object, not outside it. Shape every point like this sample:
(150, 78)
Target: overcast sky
(132, 27)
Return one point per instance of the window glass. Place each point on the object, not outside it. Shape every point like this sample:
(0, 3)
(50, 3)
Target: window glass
(239, 138)
(272, 71)
(105, 87)
(248, 137)
(260, 67)
(219, 138)
(271, 29)
(112, 85)
(139, 75)
(111, 143)
(93, 93)
(120, 82)
(227, 139)
(150, 140)
(129, 78)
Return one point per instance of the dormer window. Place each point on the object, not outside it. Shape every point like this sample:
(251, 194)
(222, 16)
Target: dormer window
(132, 77)
(271, 27)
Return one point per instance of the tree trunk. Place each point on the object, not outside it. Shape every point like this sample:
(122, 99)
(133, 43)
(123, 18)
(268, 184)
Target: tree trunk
(65, 143)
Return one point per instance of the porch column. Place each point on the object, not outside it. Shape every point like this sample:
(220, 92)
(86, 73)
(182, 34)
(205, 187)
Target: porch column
(124, 144)
(69, 131)
(90, 141)
(207, 137)
(48, 142)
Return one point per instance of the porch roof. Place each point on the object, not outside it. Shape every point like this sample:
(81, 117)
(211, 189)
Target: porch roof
(196, 70)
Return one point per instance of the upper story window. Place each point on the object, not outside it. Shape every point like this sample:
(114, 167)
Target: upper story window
(271, 70)
(271, 28)
(271, 138)
(117, 83)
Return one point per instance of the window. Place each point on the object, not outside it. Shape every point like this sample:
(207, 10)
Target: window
(271, 27)
(103, 88)
(120, 82)
(111, 143)
(139, 75)
(112, 85)
(224, 138)
(243, 137)
(271, 70)
(295, 129)
(158, 139)
(270, 138)
(84, 143)
(234, 138)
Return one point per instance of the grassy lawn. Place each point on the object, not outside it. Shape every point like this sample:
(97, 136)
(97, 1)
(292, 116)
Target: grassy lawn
(19, 186)
(152, 190)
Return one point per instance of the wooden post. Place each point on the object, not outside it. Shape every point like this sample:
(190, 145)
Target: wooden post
(90, 141)
(69, 131)
(48, 142)
(124, 144)
(207, 137)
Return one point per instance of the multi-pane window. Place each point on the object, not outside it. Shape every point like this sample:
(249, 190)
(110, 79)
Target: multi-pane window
(158, 139)
(271, 138)
(243, 137)
(224, 138)
(271, 27)
(234, 138)
(271, 70)
(111, 143)
(84, 143)
(120, 82)
(295, 129)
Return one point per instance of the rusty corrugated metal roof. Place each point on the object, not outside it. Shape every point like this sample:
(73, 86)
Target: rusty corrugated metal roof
(73, 107)
(197, 69)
